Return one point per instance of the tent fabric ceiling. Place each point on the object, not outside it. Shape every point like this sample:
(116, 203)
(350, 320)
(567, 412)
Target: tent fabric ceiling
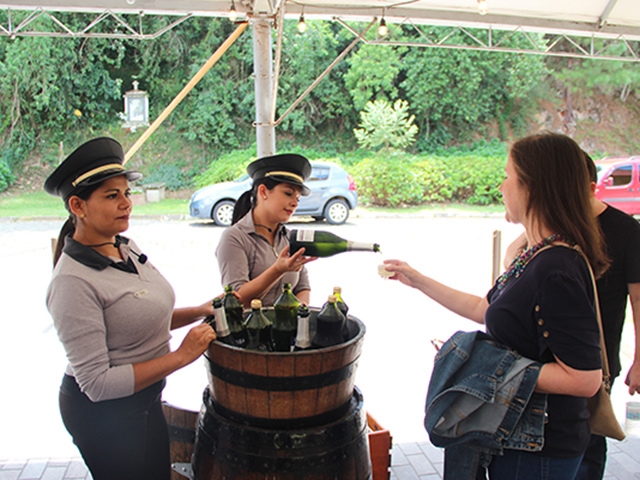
(600, 18)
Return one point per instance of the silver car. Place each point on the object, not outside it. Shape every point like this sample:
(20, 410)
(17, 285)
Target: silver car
(333, 194)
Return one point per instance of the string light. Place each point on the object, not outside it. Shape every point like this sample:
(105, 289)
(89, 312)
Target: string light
(302, 26)
(382, 28)
(233, 15)
(483, 8)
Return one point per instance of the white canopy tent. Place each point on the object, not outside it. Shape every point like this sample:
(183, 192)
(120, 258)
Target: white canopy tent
(574, 25)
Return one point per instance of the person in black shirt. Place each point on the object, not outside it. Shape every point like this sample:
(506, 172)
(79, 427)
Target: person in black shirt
(621, 280)
(543, 305)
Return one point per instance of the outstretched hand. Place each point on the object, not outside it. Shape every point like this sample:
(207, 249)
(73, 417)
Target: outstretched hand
(402, 272)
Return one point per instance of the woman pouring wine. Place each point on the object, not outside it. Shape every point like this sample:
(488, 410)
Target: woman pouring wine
(253, 254)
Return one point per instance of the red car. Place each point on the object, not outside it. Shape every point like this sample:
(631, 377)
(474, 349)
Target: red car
(619, 183)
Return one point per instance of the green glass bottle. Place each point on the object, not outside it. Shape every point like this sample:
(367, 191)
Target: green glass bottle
(318, 243)
(258, 328)
(223, 334)
(337, 291)
(329, 325)
(286, 320)
(234, 310)
(303, 340)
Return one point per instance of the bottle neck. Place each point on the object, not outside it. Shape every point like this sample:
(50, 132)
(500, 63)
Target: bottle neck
(360, 246)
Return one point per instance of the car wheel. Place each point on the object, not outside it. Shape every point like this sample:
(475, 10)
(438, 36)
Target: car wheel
(336, 211)
(222, 212)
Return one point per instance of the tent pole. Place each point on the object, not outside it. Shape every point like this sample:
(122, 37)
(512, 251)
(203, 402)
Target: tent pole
(263, 70)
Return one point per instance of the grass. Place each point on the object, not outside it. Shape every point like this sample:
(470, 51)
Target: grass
(40, 204)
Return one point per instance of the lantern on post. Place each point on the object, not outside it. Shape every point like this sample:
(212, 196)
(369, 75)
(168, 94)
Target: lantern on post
(136, 108)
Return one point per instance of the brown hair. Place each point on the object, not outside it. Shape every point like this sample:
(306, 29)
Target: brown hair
(69, 227)
(249, 199)
(552, 168)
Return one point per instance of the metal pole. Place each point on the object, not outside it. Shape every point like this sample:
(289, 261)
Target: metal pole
(262, 60)
(183, 93)
(497, 255)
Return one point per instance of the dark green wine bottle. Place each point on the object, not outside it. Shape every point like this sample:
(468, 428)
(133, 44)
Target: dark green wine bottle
(234, 310)
(329, 325)
(303, 340)
(223, 333)
(286, 320)
(318, 243)
(258, 328)
(337, 291)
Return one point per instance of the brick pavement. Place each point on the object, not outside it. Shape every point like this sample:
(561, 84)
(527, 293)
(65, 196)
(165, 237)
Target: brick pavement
(409, 461)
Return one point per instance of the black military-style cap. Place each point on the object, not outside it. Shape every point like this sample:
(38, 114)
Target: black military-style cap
(92, 162)
(285, 167)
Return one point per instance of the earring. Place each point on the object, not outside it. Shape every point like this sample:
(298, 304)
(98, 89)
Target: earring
(265, 197)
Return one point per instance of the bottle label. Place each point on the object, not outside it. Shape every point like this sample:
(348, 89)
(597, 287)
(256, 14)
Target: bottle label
(305, 235)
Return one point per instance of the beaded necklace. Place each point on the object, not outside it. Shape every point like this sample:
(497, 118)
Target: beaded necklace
(518, 264)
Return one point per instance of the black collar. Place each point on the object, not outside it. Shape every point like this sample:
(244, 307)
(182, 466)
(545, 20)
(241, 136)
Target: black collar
(91, 258)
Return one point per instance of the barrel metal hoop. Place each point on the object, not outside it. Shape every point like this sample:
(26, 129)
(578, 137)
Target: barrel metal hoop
(282, 384)
(182, 434)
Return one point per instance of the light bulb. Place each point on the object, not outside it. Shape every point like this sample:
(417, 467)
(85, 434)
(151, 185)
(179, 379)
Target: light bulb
(483, 8)
(131, 2)
(302, 27)
(233, 15)
(382, 29)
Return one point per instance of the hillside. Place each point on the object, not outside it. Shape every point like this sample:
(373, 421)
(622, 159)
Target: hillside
(601, 124)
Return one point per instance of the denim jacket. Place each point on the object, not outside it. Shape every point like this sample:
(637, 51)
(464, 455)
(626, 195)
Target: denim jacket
(481, 395)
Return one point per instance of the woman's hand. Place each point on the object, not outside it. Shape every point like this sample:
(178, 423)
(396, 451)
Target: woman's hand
(196, 342)
(292, 263)
(403, 272)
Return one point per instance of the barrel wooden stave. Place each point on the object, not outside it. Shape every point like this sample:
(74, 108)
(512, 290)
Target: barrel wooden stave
(231, 451)
(280, 386)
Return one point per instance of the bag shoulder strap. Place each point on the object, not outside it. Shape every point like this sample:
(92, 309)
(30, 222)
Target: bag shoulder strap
(606, 376)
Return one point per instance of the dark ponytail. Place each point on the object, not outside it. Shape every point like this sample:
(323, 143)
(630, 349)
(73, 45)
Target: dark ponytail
(69, 227)
(247, 200)
(243, 205)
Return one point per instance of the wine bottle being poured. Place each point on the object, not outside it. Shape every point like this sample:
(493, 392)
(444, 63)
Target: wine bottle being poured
(318, 243)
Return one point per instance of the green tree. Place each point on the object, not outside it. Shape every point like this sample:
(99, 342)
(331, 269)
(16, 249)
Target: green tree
(457, 91)
(373, 72)
(611, 77)
(383, 125)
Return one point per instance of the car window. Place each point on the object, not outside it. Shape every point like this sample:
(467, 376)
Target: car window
(621, 175)
(319, 173)
(242, 178)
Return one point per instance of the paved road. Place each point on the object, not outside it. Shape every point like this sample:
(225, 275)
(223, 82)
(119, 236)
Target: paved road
(394, 367)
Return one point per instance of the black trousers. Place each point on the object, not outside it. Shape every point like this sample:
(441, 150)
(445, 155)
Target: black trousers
(122, 439)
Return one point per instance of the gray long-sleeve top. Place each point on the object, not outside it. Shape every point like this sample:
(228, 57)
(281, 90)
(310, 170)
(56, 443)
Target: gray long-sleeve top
(108, 319)
(243, 254)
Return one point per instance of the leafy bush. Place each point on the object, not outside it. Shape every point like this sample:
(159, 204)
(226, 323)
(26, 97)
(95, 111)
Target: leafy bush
(388, 182)
(6, 177)
(225, 168)
(172, 177)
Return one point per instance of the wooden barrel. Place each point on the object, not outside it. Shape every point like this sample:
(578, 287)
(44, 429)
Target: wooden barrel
(226, 450)
(270, 389)
(182, 435)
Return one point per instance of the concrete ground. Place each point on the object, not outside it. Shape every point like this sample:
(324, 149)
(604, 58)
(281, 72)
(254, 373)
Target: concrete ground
(394, 368)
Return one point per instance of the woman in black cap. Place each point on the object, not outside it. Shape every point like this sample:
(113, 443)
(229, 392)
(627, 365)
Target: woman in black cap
(253, 254)
(113, 311)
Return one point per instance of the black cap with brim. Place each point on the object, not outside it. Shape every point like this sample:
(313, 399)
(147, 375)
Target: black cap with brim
(286, 168)
(92, 162)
